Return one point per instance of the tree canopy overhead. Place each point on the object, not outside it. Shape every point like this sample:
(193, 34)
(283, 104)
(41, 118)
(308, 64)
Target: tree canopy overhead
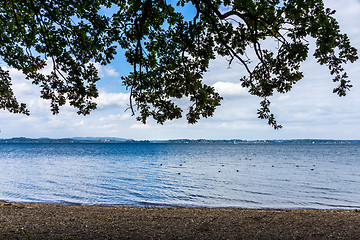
(168, 49)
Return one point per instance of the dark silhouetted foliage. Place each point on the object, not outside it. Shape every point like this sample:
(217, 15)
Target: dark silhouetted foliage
(168, 49)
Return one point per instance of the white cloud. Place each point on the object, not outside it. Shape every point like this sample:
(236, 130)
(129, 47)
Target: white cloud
(140, 126)
(219, 71)
(112, 99)
(229, 89)
(116, 117)
(106, 71)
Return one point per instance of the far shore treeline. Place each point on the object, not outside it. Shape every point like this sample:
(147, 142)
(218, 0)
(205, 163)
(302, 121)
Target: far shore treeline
(124, 140)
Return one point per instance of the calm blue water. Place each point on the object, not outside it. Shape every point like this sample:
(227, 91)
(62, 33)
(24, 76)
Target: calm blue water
(197, 175)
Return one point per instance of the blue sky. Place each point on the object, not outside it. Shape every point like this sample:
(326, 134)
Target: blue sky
(310, 110)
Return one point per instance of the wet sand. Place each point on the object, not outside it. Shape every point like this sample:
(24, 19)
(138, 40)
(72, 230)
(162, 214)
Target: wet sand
(50, 221)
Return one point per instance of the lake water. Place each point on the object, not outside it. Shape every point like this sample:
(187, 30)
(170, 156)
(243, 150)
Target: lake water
(193, 175)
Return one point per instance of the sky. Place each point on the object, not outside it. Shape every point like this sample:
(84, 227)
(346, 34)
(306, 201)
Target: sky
(310, 110)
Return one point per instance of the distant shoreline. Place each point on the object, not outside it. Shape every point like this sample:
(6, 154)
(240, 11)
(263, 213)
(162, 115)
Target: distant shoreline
(123, 140)
(47, 221)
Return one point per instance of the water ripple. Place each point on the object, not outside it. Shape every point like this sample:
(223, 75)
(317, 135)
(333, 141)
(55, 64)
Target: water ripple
(215, 175)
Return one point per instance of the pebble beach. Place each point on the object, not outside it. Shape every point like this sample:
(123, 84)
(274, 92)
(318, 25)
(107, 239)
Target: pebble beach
(51, 221)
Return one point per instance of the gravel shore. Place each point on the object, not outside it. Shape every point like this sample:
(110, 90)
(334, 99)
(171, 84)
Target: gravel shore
(50, 221)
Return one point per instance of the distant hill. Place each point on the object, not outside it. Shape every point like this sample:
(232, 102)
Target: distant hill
(66, 140)
(239, 141)
(103, 139)
(37, 140)
(174, 141)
